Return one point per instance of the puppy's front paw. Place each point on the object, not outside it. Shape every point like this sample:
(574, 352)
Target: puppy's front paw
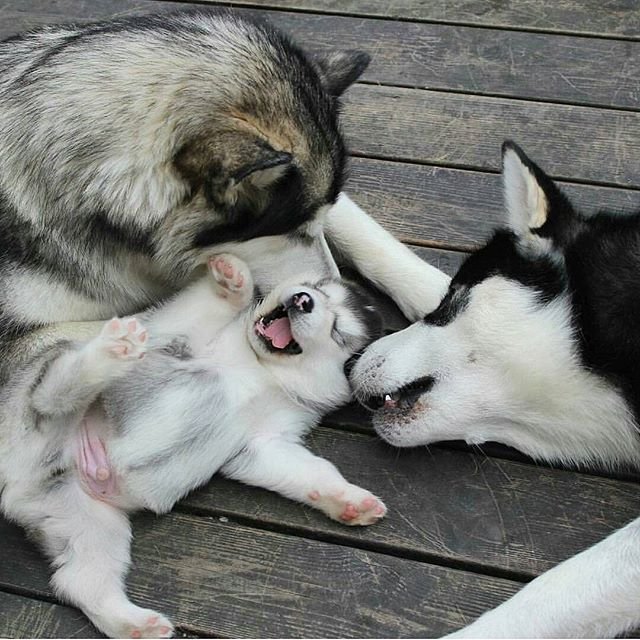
(124, 338)
(352, 506)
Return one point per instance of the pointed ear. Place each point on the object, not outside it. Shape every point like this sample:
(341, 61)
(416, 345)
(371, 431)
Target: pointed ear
(340, 69)
(526, 202)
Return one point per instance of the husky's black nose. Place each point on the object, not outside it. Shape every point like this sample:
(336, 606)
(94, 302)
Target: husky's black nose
(301, 302)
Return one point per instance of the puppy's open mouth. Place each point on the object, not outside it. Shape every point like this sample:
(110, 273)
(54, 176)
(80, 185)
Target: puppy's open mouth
(274, 330)
(403, 398)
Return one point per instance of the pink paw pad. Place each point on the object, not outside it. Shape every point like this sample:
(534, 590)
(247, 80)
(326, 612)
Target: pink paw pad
(226, 273)
(350, 512)
(124, 338)
(314, 495)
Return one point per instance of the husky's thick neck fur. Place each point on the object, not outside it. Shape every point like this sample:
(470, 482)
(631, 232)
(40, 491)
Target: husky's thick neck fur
(535, 345)
(131, 146)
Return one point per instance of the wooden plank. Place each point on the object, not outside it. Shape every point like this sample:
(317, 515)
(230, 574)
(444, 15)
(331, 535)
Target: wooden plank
(454, 505)
(466, 131)
(22, 617)
(226, 579)
(453, 208)
(585, 17)
(577, 143)
(443, 57)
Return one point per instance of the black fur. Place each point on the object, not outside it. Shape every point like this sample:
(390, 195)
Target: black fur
(595, 261)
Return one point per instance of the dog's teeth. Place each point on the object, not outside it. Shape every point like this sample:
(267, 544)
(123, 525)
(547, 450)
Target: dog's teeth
(389, 402)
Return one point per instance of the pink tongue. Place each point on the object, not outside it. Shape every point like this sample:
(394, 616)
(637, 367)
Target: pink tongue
(279, 331)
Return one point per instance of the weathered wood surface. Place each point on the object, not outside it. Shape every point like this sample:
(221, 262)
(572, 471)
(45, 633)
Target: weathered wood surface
(443, 57)
(23, 617)
(453, 208)
(455, 506)
(229, 580)
(622, 19)
(463, 131)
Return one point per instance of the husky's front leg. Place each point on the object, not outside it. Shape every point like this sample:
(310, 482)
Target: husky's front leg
(415, 286)
(69, 381)
(293, 471)
(592, 595)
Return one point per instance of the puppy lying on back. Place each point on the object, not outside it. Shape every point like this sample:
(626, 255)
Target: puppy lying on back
(221, 387)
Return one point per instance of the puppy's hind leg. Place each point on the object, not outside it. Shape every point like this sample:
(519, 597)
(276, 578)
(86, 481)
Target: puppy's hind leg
(71, 380)
(88, 542)
(293, 471)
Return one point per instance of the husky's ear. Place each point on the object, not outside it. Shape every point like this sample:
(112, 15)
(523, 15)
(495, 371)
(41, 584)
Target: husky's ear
(526, 202)
(340, 69)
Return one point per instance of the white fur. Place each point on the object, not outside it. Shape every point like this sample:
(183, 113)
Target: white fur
(258, 405)
(506, 367)
(415, 286)
(592, 595)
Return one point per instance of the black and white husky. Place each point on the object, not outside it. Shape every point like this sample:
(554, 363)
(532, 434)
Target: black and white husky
(535, 345)
(223, 385)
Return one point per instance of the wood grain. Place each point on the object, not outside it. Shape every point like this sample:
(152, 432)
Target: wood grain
(226, 579)
(434, 56)
(577, 143)
(454, 505)
(22, 617)
(586, 17)
(453, 208)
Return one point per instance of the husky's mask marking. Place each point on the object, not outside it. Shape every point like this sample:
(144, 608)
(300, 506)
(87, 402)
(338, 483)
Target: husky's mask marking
(535, 345)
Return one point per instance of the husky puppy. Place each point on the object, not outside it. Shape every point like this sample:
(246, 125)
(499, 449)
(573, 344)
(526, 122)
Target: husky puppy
(222, 386)
(131, 147)
(535, 345)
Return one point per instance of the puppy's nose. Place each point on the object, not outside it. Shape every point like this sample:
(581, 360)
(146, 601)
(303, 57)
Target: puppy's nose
(302, 302)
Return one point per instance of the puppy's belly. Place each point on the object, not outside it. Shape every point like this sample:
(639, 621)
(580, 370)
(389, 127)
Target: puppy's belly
(149, 463)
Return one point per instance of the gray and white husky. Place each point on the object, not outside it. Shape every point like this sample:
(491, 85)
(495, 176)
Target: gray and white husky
(223, 385)
(129, 148)
(535, 345)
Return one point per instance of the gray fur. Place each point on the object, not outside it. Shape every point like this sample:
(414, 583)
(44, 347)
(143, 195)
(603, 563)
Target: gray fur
(131, 147)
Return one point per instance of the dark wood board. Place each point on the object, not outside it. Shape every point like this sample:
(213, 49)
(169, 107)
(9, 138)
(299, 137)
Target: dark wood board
(587, 17)
(443, 57)
(23, 617)
(229, 580)
(453, 208)
(569, 142)
(453, 505)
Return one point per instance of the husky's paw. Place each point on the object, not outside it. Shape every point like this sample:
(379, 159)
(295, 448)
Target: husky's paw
(124, 338)
(352, 506)
(233, 277)
(135, 623)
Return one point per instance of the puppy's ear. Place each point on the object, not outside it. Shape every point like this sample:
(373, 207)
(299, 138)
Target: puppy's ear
(340, 69)
(228, 165)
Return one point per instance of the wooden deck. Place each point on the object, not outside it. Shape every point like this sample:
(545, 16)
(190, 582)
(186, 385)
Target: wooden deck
(448, 82)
